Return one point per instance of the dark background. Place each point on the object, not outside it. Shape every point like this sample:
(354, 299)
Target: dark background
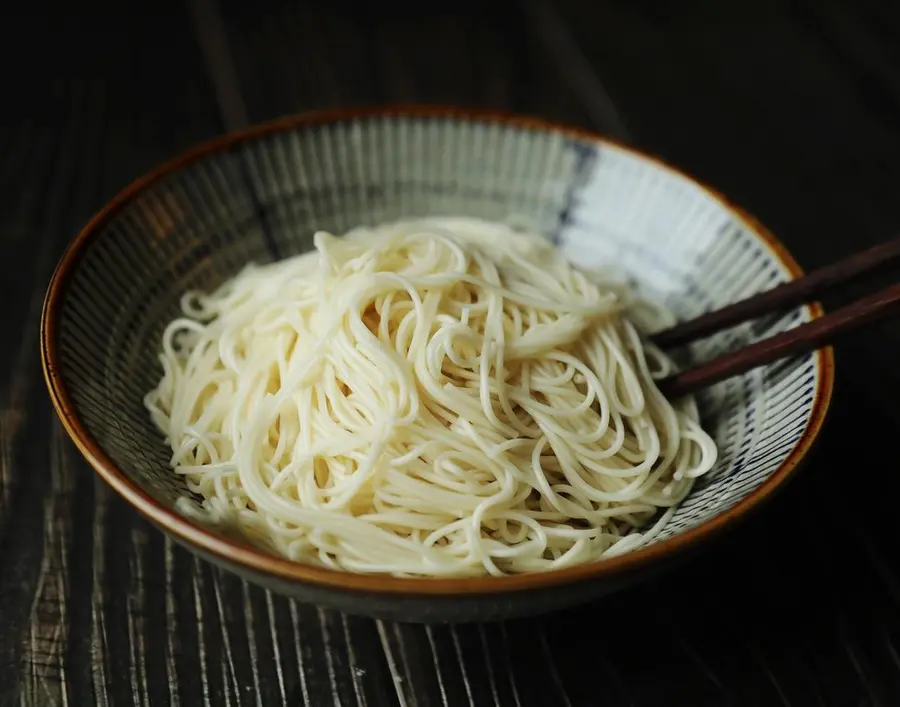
(789, 107)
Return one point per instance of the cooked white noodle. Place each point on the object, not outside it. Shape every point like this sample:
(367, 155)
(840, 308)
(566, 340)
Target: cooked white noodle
(443, 397)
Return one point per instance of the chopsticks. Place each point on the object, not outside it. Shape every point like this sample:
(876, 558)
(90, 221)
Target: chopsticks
(805, 337)
(783, 297)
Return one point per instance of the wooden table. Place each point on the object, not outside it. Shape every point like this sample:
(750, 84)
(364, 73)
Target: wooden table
(790, 107)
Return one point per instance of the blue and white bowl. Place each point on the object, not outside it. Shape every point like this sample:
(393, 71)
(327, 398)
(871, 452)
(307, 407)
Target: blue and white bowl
(260, 194)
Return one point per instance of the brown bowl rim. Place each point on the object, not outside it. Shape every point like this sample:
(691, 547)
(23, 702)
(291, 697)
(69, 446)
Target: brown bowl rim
(259, 561)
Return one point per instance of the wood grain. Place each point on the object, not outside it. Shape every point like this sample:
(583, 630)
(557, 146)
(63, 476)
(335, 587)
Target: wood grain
(787, 107)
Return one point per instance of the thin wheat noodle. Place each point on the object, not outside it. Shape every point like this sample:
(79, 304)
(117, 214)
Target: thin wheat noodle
(440, 397)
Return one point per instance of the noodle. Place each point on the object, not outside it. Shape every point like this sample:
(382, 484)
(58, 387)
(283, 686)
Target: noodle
(444, 397)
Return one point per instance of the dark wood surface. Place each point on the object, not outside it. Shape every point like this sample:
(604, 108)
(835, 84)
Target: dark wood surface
(789, 107)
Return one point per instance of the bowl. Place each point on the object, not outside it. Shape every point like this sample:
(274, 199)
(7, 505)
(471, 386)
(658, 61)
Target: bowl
(259, 194)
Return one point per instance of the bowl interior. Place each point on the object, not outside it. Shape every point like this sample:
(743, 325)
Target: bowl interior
(262, 198)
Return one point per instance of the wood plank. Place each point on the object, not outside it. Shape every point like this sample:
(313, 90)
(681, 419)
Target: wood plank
(76, 599)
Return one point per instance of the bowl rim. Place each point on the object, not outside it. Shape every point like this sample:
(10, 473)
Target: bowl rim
(259, 561)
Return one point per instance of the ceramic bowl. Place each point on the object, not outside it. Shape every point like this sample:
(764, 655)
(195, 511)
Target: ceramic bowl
(258, 195)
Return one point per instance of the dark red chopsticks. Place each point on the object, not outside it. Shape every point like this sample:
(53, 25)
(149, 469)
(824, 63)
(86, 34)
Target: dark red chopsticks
(805, 337)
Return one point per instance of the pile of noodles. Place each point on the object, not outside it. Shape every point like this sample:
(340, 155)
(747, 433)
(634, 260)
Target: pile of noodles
(443, 397)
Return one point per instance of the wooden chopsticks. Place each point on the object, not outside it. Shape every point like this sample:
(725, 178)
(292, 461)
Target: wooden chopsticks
(805, 337)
